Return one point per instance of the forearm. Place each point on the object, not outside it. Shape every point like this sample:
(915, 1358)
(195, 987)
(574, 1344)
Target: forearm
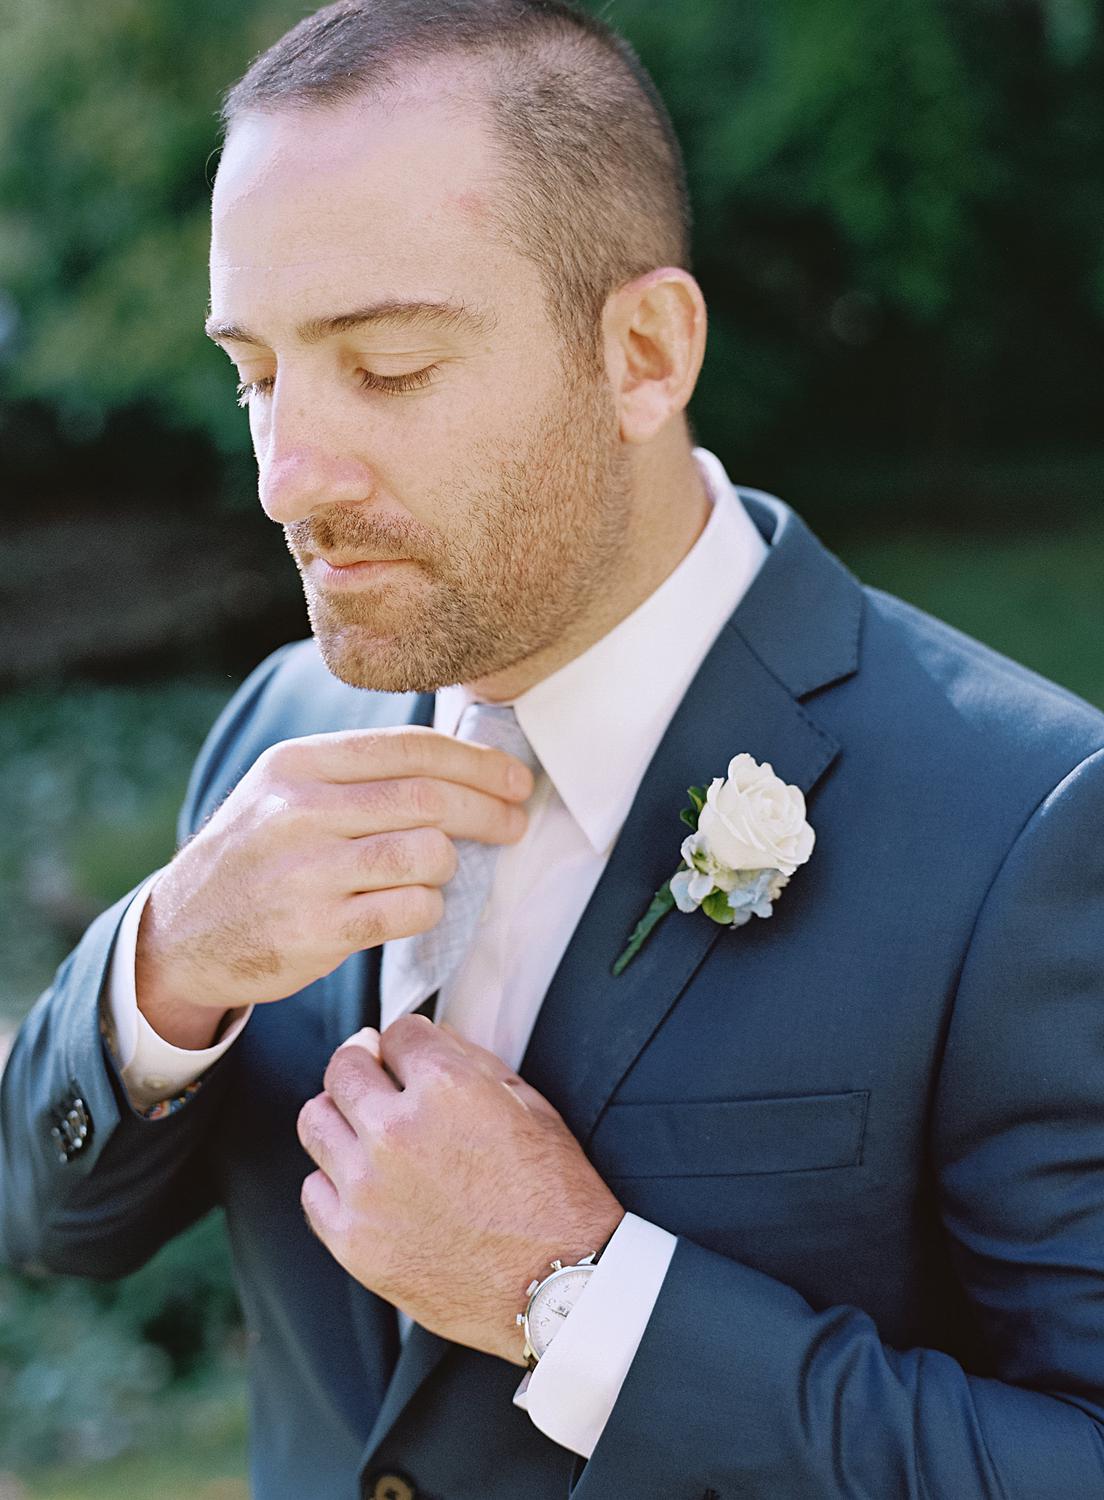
(155, 1069)
(178, 1019)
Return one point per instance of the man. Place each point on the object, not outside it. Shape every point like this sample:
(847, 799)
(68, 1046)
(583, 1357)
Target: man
(843, 1169)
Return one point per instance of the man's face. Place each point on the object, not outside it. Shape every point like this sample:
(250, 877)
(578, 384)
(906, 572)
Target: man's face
(450, 441)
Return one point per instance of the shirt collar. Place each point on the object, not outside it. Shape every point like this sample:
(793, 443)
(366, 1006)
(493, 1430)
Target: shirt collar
(595, 724)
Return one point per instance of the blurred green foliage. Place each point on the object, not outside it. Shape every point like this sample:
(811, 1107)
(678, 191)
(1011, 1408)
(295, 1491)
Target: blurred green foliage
(91, 1371)
(106, 126)
(184, 1466)
(898, 226)
(90, 780)
(1037, 598)
(140, 1380)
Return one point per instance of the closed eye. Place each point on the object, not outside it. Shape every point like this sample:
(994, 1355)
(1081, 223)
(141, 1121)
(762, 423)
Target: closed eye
(395, 385)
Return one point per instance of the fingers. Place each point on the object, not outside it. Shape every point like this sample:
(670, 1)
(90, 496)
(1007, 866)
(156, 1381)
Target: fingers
(327, 1137)
(357, 809)
(495, 1068)
(378, 861)
(367, 1037)
(356, 1081)
(487, 1062)
(321, 1203)
(402, 751)
(374, 917)
(413, 1040)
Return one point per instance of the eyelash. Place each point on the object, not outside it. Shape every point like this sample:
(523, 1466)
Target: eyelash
(393, 385)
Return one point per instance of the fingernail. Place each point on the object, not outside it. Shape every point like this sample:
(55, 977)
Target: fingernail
(368, 1038)
(521, 780)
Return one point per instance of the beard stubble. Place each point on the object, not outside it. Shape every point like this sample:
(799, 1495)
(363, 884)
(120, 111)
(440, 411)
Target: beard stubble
(537, 533)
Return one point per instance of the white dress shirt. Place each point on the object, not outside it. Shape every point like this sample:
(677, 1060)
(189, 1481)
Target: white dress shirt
(594, 725)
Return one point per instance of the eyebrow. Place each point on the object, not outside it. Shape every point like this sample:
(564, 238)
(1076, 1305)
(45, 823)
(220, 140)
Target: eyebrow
(436, 316)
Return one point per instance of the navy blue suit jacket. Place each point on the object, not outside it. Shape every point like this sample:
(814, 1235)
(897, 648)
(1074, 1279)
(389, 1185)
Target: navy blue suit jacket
(875, 1122)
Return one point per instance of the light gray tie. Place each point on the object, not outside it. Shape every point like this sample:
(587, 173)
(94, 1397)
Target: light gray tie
(414, 968)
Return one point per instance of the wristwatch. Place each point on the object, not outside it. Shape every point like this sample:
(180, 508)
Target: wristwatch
(550, 1301)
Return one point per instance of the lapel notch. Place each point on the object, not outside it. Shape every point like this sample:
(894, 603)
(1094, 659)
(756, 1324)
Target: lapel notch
(802, 614)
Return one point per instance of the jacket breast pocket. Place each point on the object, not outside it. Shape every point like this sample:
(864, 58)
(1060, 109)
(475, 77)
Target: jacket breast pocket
(730, 1137)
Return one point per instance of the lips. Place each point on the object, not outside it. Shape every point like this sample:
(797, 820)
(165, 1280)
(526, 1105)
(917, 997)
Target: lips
(343, 571)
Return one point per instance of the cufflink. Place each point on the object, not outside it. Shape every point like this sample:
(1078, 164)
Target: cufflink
(72, 1128)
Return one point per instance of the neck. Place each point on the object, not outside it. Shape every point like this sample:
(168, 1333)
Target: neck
(669, 515)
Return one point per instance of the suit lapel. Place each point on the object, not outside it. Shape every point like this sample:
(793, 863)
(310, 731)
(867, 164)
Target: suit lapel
(795, 632)
(421, 1354)
(591, 1025)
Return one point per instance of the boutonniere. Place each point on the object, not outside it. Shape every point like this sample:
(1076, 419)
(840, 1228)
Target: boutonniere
(749, 836)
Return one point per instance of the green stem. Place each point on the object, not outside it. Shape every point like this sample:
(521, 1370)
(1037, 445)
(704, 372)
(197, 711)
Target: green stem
(662, 902)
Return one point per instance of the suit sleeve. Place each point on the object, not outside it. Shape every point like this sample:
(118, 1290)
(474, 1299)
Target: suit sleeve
(131, 1183)
(740, 1387)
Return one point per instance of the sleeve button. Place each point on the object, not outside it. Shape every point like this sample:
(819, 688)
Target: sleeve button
(393, 1487)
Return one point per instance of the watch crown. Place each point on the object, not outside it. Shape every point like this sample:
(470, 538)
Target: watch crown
(531, 1288)
(557, 1265)
(520, 1319)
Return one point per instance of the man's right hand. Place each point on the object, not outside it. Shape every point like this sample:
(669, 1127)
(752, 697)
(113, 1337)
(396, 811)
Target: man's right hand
(329, 844)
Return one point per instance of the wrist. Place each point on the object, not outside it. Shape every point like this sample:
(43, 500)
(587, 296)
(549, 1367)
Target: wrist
(177, 1019)
(552, 1295)
(181, 1023)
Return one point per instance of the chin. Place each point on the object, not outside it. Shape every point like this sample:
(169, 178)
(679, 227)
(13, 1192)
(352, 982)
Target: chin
(440, 646)
(381, 664)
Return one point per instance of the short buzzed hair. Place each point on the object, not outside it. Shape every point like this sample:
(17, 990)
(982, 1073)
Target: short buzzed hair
(595, 185)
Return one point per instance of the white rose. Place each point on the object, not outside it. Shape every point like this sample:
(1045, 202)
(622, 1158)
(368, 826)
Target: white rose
(754, 821)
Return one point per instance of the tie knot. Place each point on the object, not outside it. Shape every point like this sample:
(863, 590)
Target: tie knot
(496, 724)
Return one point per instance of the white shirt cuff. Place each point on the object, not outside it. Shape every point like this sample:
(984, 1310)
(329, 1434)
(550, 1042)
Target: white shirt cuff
(572, 1391)
(152, 1068)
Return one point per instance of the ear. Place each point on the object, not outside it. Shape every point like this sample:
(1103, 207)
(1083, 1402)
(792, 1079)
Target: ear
(653, 333)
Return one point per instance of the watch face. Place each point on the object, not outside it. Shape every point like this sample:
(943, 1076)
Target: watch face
(552, 1302)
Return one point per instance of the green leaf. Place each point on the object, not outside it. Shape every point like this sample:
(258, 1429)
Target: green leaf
(690, 815)
(661, 904)
(716, 905)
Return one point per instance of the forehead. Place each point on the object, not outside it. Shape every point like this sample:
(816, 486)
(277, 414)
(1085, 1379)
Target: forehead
(377, 198)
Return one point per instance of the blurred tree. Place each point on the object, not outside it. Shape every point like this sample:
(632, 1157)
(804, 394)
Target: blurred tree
(898, 221)
(107, 129)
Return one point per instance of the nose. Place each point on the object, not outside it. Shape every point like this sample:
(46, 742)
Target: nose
(296, 482)
(306, 462)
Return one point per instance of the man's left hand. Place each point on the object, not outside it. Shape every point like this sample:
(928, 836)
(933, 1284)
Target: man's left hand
(446, 1182)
